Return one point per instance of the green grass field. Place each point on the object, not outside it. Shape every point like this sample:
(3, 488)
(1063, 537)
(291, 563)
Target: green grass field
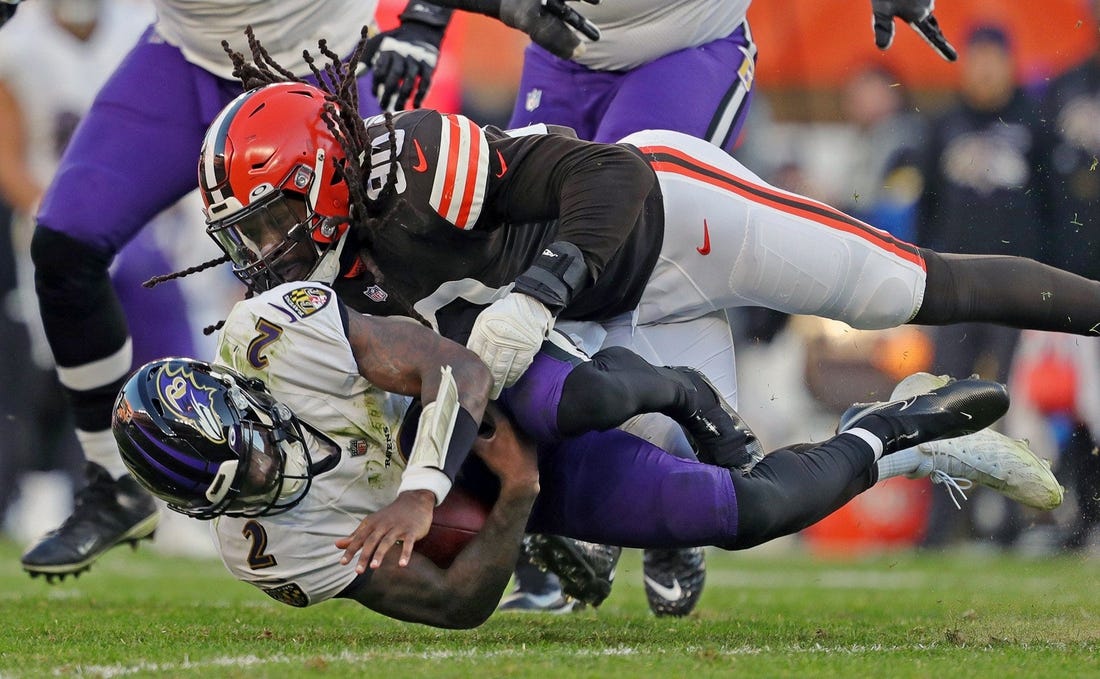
(762, 615)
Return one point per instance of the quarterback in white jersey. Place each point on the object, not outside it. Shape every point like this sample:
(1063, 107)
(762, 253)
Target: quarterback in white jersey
(360, 424)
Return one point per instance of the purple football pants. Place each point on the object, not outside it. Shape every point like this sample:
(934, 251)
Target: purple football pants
(612, 487)
(703, 91)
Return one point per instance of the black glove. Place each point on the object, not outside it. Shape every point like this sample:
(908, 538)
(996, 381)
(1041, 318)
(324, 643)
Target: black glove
(404, 59)
(918, 14)
(7, 9)
(549, 24)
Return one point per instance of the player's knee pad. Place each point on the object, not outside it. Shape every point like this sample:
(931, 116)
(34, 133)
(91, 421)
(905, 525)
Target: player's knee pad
(69, 276)
(888, 304)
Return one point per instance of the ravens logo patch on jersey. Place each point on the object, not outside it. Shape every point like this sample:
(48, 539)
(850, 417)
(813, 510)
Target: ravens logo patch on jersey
(307, 301)
(290, 594)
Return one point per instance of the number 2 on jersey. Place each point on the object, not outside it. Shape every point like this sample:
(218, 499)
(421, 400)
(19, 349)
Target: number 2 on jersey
(257, 558)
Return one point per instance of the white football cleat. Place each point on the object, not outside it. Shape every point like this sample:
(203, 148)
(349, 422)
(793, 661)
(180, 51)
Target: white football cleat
(993, 460)
(986, 457)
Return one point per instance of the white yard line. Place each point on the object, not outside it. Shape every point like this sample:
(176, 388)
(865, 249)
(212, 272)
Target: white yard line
(252, 661)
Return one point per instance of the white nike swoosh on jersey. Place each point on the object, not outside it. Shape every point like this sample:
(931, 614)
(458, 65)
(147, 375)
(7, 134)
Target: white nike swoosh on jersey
(673, 593)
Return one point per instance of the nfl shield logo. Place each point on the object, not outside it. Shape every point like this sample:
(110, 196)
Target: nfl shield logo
(534, 98)
(376, 294)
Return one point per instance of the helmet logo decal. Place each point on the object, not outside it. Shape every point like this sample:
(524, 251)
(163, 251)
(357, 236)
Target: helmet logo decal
(186, 399)
(260, 190)
(306, 301)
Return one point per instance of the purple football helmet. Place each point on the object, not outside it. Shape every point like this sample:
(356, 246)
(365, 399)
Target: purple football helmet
(209, 441)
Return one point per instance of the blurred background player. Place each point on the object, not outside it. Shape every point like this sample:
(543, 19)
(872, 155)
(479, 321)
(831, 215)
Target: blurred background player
(882, 186)
(52, 59)
(132, 157)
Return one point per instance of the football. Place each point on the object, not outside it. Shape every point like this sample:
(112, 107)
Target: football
(457, 520)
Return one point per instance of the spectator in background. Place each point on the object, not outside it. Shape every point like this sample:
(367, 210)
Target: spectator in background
(884, 187)
(1072, 110)
(983, 193)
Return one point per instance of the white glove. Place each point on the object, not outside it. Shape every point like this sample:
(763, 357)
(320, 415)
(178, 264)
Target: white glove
(508, 334)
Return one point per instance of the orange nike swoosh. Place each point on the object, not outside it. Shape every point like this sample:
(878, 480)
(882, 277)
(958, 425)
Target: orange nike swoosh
(421, 163)
(705, 250)
(503, 165)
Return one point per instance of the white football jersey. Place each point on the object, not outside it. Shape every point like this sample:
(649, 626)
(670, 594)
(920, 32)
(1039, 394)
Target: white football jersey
(284, 27)
(293, 338)
(635, 32)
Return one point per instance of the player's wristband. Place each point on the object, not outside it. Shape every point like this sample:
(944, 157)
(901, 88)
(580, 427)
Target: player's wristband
(555, 277)
(426, 13)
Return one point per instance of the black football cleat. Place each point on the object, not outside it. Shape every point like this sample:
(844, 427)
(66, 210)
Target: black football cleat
(673, 579)
(585, 569)
(955, 409)
(720, 435)
(554, 602)
(106, 513)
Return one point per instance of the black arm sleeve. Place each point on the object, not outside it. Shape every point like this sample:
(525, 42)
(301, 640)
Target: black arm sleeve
(596, 191)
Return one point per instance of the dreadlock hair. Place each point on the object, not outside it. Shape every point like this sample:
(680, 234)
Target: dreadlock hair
(157, 280)
(340, 113)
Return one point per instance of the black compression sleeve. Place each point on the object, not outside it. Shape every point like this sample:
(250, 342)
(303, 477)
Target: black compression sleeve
(462, 442)
(792, 488)
(1013, 291)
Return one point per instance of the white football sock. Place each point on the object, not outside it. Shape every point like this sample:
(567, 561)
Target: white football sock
(906, 462)
(100, 447)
